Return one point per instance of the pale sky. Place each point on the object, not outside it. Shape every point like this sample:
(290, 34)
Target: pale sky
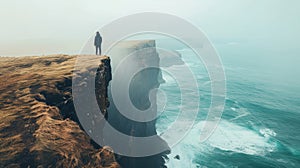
(35, 27)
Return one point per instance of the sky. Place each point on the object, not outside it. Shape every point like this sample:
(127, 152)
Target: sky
(35, 27)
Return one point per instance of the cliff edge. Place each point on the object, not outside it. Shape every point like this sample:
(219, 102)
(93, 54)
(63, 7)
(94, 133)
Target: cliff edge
(38, 124)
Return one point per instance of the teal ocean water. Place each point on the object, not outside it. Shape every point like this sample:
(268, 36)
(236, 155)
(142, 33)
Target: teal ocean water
(261, 120)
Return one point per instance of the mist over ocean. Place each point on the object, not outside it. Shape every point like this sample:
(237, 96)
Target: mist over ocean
(261, 119)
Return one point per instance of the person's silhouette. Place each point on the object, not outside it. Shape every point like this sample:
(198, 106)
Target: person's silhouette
(97, 43)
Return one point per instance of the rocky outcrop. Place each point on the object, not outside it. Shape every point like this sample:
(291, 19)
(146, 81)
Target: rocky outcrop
(127, 57)
(38, 123)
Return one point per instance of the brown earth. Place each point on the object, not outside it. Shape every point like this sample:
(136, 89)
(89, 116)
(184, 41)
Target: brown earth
(38, 125)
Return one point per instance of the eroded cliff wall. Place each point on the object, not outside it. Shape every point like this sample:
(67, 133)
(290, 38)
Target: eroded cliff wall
(136, 76)
(38, 123)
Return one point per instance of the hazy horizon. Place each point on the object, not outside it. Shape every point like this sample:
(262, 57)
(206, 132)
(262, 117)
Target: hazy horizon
(53, 27)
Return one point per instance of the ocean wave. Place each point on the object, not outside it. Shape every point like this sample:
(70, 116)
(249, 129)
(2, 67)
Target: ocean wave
(228, 136)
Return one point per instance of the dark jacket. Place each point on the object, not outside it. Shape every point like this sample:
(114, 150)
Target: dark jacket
(98, 40)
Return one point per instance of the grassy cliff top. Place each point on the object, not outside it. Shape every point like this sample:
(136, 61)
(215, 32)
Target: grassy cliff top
(33, 130)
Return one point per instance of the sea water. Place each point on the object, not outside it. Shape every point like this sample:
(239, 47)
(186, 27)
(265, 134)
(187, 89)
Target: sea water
(261, 119)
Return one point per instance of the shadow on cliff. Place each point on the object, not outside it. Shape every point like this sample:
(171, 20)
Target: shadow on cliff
(127, 57)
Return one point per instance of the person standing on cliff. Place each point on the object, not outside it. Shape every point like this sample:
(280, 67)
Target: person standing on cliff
(97, 43)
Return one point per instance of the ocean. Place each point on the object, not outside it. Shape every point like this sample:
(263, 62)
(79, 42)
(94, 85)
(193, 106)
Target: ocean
(261, 119)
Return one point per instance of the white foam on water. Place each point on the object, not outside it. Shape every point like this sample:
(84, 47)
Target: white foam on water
(241, 112)
(231, 137)
(227, 137)
(233, 109)
(266, 132)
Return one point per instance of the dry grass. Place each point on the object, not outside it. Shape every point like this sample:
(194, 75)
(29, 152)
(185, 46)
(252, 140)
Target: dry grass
(34, 133)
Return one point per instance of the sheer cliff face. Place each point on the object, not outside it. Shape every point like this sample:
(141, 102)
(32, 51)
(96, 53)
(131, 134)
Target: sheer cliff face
(38, 124)
(135, 70)
(133, 64)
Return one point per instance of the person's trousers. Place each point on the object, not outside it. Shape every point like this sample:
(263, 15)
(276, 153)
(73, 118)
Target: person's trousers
(98, 50)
